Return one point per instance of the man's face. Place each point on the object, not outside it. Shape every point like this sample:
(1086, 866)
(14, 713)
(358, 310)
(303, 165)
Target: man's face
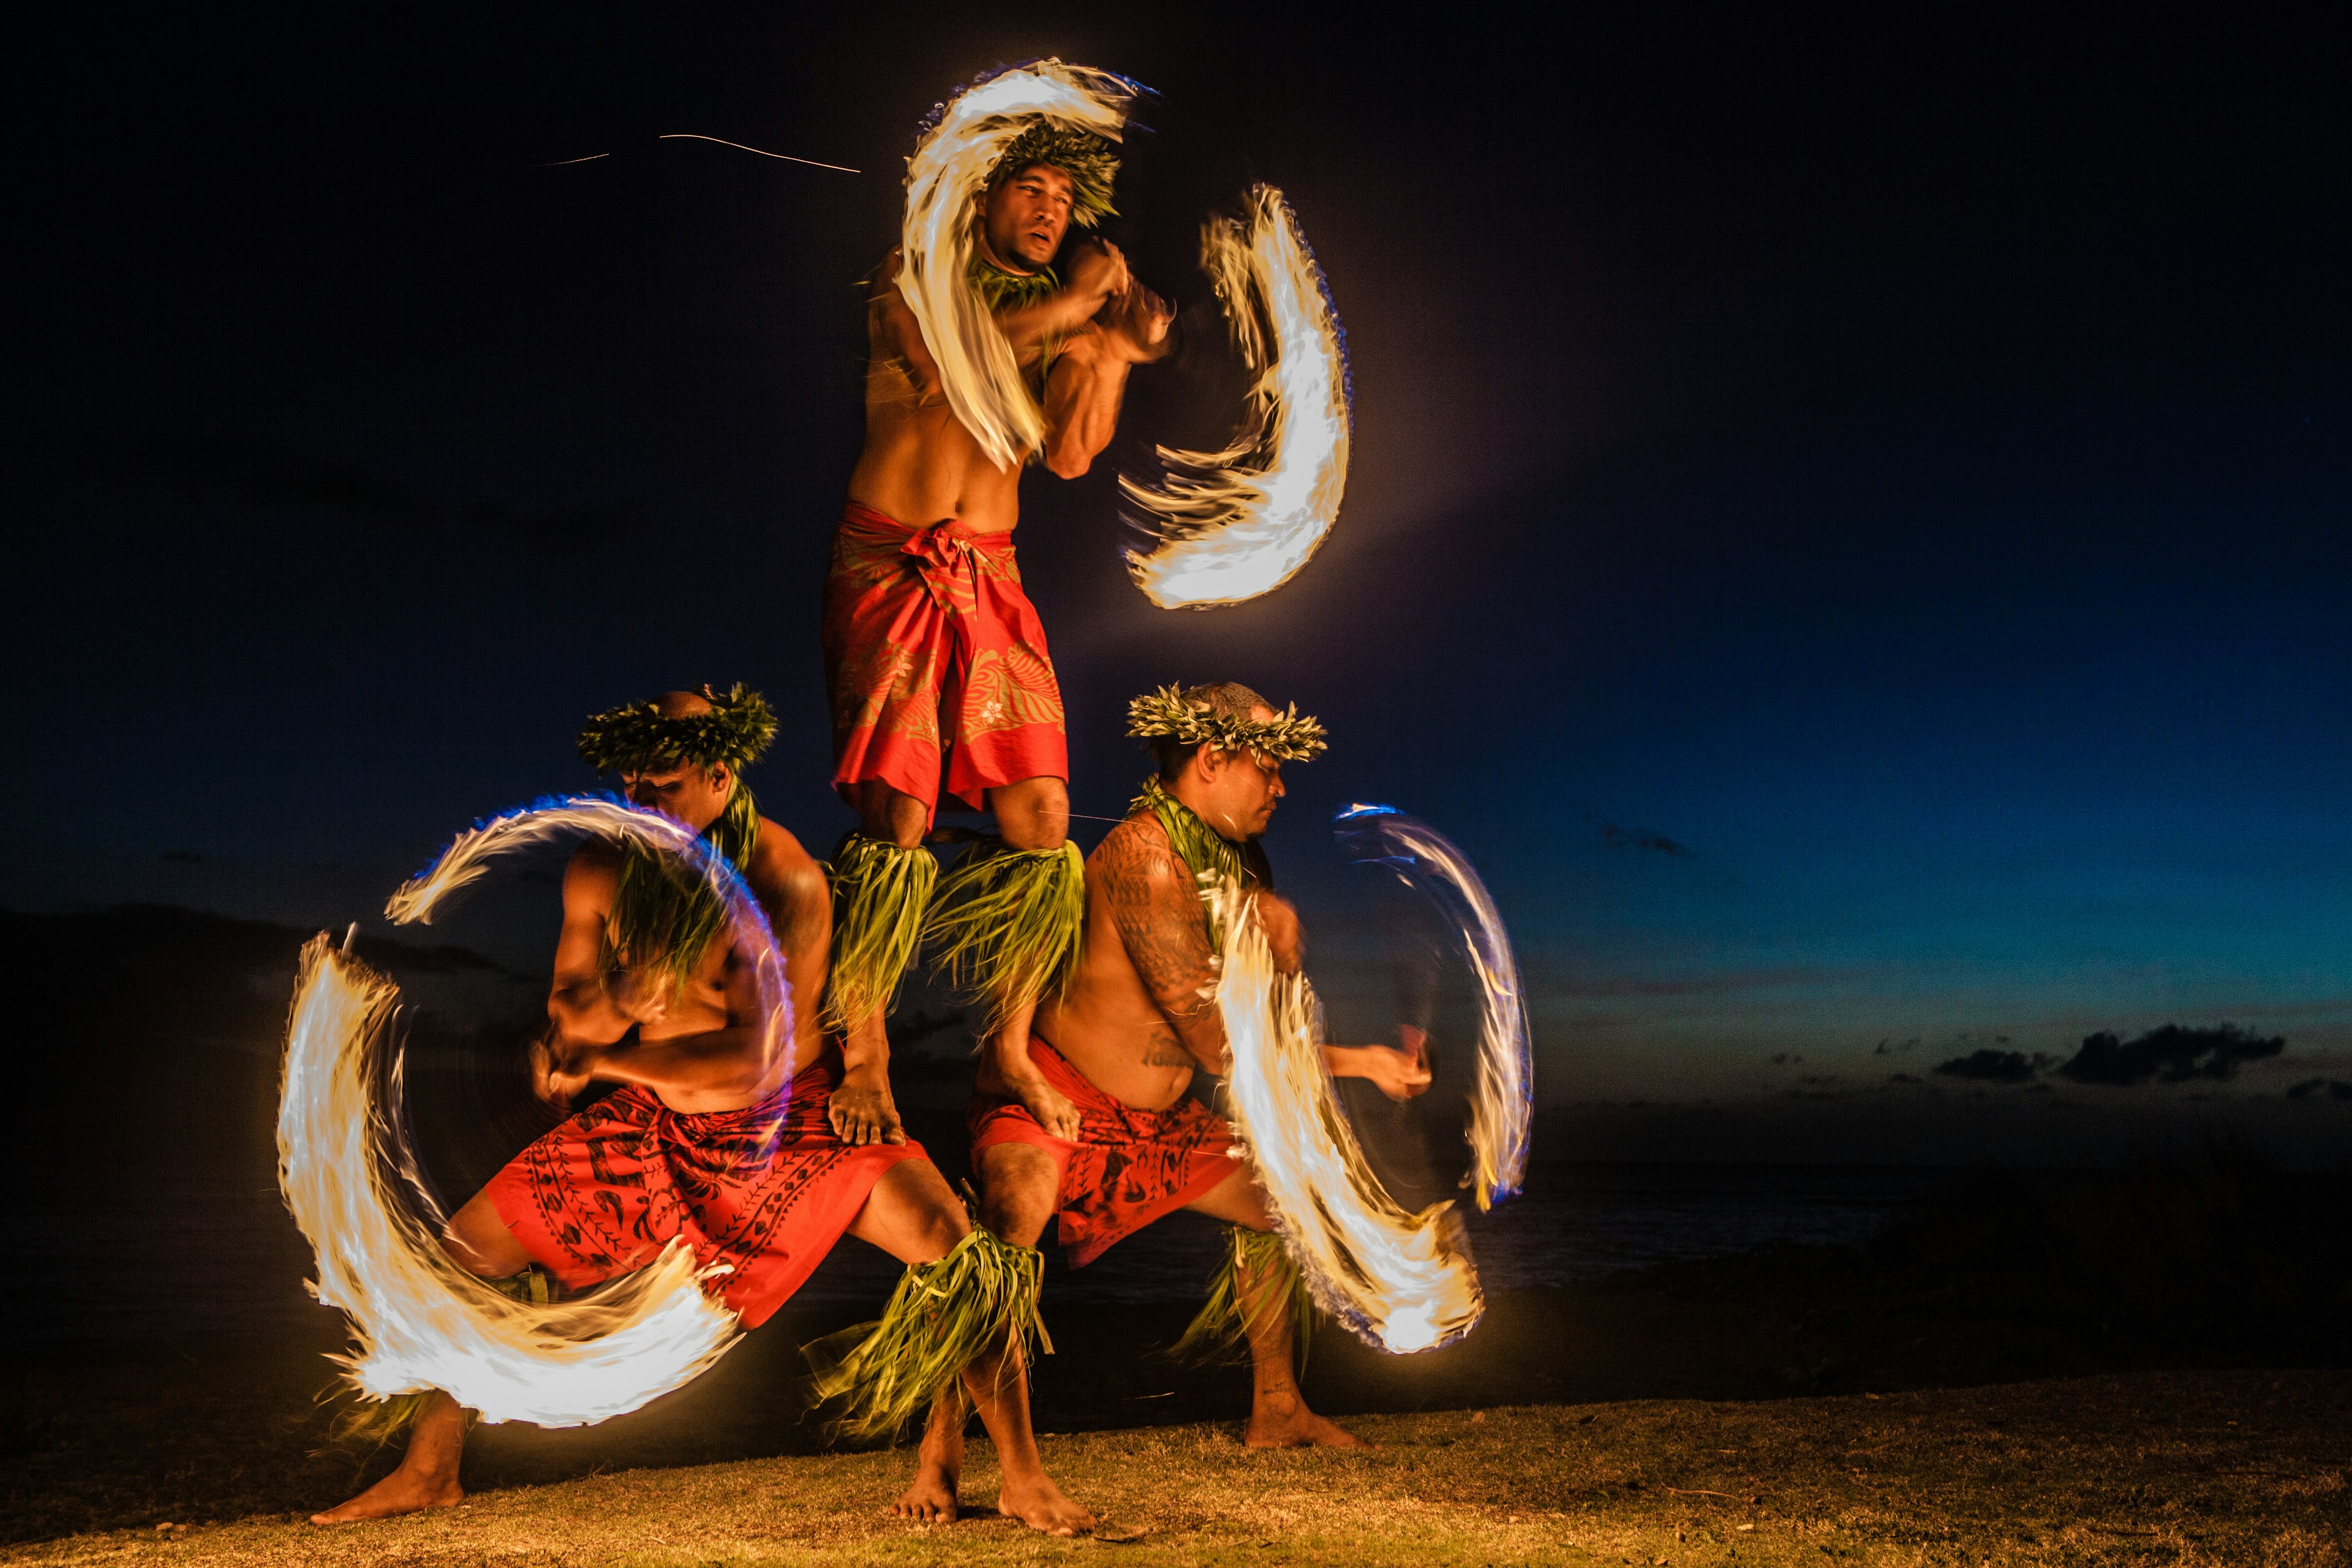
(1028, 215)
(1242, 788)
(694, 795)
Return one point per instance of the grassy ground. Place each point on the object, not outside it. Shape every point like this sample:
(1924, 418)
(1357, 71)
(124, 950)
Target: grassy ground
(2151, 1468)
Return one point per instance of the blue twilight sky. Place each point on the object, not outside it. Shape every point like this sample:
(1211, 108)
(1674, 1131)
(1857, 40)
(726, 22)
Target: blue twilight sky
(1847, 522)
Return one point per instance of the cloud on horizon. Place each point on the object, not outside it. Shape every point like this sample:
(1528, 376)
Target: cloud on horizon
(1643, 838)
(1990, 1066)
(2170, 1054)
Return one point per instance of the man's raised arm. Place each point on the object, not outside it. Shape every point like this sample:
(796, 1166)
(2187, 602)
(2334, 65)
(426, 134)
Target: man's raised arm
(1098, 275)
(1089, 378)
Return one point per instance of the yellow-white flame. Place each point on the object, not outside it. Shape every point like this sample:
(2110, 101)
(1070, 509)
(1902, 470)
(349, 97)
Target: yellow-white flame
(1237, 523)
(420, 1321)
(950, 167)
(1502, 1105)
(1402, 1280)
(557, 817)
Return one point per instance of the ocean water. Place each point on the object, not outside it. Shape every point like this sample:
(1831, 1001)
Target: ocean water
(204, 1261)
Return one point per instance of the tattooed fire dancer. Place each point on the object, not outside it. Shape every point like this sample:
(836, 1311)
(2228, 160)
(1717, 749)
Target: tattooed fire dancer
(654, 991)
(933, 654)
(1123, 1144)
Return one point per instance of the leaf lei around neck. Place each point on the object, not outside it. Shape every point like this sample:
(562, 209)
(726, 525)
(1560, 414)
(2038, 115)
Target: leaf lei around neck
(1002, 288)
(663, 917)
(1202, 848)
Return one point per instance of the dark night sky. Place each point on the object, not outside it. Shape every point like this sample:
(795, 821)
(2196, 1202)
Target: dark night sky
(1898, 460)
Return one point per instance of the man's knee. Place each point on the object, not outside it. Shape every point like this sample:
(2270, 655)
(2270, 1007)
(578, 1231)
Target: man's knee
(911, 1214)
(1034, 814)
(889, 815)
(478, 1238)
(1236, 1200)
(1019, 1185)
(937, 1227)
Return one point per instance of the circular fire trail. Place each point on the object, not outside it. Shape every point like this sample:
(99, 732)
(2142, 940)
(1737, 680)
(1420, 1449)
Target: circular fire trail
(350, 1175)
(1500, 1110)
(948, 170)
(1227, 525)
(1402, 1281)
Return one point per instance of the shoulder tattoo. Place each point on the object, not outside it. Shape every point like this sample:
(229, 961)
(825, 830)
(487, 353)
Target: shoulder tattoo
(1156, 909)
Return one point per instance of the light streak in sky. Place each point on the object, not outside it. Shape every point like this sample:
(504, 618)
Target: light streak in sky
(948, 170)
(349, 1173)
(785, 157)
(1234, 524)
(697, 136)
(1402, 1281)
(1503, 1104)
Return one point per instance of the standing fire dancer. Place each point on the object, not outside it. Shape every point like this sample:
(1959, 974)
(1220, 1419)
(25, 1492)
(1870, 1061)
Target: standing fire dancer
(934, 655)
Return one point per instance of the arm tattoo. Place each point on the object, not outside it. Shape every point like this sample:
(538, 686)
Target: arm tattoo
(1157, 907)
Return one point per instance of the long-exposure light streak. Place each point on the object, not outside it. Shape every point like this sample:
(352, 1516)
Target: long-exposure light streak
(1402, 1281)
(762, 152)
(351, 1176)
(1234, 524)
(1502, 1104)
(948, 170)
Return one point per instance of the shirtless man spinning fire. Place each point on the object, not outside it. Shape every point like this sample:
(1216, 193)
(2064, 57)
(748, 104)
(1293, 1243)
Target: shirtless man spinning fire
(1121, 1043)
(704, 1140)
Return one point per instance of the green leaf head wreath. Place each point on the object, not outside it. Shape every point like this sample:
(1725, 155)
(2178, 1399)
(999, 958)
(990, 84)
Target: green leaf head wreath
(638, 736)
(1287, 737)
(1087, 158)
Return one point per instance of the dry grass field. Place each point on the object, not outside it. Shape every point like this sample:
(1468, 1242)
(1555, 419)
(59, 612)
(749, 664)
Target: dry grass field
(2210, 1468)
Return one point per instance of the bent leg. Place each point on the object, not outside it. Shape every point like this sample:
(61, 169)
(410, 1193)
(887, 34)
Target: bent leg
(1020, 1188)
(1034, 814)
(881, 879)
(1014, 959)
(912, 1215)
(478, 1238)
(427, 1475)
(889, 815)
(1278, 1415)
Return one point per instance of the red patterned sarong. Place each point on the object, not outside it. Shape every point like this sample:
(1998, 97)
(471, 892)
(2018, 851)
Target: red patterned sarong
(604, 1193)
(1128, 1166)
(926, 627)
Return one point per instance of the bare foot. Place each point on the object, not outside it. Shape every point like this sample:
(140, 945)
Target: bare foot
(939, 1466)
(402, 1491)
(931, 1499)
(1283, 1421)
(862, 1110)
(1039, 1504)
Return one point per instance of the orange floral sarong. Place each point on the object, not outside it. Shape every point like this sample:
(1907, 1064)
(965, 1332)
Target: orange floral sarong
(930, 647)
